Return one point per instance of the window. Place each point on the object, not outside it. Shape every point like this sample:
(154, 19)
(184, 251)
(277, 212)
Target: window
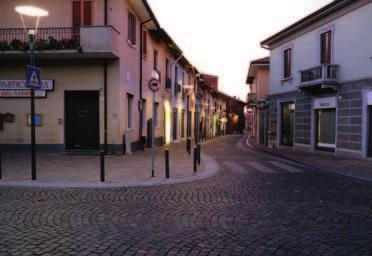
(175, 80)
(183, 78)
(167, 68)
(156, 113)
(131, 29)
(326, 47)
(287, 63)
(155, 60)
(144, 44)
(130, 111)
(144, 117)
(82, 13)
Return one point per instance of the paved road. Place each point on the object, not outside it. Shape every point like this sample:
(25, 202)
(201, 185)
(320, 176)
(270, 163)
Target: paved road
(255, 205)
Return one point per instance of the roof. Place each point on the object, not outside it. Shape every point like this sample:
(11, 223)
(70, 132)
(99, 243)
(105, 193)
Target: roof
(252, 67)
(323, 12)
(142, 8)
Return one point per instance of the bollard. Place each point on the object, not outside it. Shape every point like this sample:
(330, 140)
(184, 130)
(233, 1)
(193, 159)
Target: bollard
(199, 152)
(167, 163)
(195, 159)
(1, 170)
(188, 146)
(102, 161)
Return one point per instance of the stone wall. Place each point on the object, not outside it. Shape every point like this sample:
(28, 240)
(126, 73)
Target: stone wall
(350, 113)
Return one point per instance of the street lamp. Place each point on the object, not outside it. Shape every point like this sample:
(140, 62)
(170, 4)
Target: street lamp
(36, 13)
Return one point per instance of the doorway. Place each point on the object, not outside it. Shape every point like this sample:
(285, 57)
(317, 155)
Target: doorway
(175, 122)
(326, 129)
(369, 131)
(288, 110)
(82, 120)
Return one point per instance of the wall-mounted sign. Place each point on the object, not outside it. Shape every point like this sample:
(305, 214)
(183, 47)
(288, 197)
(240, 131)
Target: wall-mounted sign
(21, 93)
(8, 118)
(322, 103)
(1, 122)
(47, 85)
(18, 89)
(38, 120)
(369, 97)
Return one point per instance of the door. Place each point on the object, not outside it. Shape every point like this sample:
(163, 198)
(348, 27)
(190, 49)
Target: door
(175, 122)
(370, 132)
(183, 124)
(288, 109)
(326, 129)
(262, 128)
(82, 120)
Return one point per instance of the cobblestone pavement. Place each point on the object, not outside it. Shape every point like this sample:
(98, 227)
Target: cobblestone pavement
(255, 205)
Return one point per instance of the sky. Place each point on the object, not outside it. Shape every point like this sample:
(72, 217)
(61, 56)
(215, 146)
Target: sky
(221, 37)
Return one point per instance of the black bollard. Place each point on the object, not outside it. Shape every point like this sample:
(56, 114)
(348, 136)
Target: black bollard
(195, 159)
(1, 169)
(199, 152)
(167, 163)
(188, 146)
(102, 161)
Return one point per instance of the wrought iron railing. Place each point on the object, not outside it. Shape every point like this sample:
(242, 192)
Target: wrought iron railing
(323, 73)
(63, 38)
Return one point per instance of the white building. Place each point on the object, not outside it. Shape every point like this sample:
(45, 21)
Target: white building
(321, 80)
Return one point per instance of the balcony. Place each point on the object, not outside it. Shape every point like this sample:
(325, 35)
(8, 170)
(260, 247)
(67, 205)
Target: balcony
(252, 99)
(62, 42)
(325, 76)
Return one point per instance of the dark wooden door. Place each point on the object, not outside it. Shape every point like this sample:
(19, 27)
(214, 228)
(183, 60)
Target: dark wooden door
(82, 120)
(370, 132)
(175, 123)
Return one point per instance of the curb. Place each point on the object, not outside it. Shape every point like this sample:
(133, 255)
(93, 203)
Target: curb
(319, 169)
(211, 168)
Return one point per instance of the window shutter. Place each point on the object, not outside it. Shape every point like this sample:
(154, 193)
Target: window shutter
(76, 12)
(87, 13)
(134, 29)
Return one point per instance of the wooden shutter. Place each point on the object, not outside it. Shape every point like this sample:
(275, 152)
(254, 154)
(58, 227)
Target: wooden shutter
(326, 47)
(287, 63)
(144, 44)
(155, 60)
(87, 13)
(76, 14)
(132, 28)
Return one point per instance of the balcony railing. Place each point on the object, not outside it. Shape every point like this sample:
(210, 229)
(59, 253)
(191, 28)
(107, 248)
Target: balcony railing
(324, 74)
(99, 41)
(16, 39)
(252, 97)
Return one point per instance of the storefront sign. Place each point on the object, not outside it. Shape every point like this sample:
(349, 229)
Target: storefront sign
(369, 98)
(47, 85)
(8, 118)
(21, 93)
(322, 103)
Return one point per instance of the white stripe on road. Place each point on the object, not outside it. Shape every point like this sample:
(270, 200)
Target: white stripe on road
(260, 167)
(285, 167)
(235, 167)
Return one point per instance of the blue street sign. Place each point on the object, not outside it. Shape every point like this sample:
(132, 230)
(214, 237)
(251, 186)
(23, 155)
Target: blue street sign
(33, 77)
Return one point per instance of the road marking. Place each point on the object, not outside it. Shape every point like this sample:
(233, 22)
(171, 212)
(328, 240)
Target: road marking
(285, 167)
(260, 167)
(235, 167)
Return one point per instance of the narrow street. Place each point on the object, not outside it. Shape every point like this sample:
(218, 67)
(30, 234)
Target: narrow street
(255, 205)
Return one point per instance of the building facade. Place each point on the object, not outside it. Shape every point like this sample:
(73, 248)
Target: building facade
(258, 81)
(97, 58)
(321, 80)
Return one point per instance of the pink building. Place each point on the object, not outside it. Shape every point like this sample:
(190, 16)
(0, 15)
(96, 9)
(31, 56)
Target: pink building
(97, 58)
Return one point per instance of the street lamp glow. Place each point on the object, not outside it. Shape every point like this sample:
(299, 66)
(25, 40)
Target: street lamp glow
(31, 11)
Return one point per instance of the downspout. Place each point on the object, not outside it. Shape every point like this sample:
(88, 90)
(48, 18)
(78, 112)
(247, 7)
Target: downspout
(105, 89)
(140, 84)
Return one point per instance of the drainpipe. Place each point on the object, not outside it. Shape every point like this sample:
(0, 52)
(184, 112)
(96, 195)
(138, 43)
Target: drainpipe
(105, 88)
(140, 83)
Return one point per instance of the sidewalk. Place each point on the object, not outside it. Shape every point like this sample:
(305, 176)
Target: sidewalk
(56, 170)
(352, 167)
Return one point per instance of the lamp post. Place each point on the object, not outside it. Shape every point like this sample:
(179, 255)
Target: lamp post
(36, 13)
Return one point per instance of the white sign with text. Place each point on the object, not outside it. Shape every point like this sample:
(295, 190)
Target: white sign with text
(321, 103)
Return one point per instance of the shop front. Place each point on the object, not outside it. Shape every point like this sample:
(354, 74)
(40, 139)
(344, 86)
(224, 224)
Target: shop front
(325, 123)
(287, 123)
